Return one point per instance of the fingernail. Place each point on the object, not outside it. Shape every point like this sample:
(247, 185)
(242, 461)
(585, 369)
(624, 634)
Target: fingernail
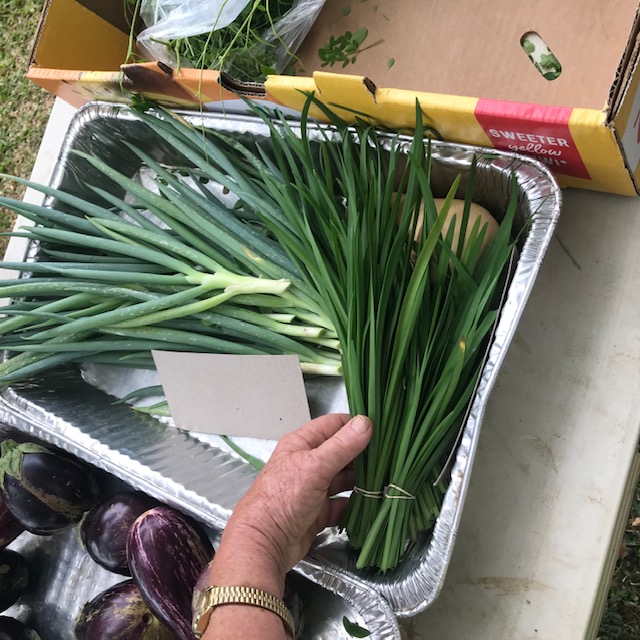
(361, 424)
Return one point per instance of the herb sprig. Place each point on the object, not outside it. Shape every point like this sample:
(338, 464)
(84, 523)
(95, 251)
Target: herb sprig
(344, 48)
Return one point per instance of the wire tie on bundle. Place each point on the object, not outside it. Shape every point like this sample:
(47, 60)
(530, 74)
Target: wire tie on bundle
(404, 494)
(376, 495)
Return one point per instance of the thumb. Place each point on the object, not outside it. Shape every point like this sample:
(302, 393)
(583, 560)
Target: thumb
(341, 448)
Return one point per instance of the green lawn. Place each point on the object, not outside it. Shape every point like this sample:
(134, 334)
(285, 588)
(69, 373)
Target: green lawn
(24, 109)
(621, 620)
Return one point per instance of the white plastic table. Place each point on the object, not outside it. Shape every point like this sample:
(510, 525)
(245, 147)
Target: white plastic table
(557, 462)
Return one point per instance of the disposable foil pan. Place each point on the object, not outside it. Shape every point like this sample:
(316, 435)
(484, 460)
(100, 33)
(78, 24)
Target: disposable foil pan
(204, 479)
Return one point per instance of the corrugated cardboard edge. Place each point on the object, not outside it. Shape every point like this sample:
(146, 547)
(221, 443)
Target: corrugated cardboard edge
(188, 83)
(41, 23)
(181, 89)
(79, 87)
(452, 117)
(158, 81)
(620, 119)
(353, 97)
(624, 72)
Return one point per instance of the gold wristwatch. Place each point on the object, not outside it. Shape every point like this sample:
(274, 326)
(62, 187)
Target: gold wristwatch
(206, 600)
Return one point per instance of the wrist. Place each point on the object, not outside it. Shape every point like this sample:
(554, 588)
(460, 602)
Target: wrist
(245, 559)
(252, 524)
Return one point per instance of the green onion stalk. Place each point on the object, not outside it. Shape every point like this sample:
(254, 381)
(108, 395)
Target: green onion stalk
(412, 316)
(113, 282)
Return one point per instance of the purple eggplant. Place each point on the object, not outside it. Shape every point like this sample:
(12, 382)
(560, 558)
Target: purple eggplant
(14, 577)
(10, 528)
(166, 554)
(12, 629)
(119, 613)
(104, 529)
(46, 491)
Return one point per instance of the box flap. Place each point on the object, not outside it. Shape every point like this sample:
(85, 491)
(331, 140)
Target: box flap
(116, 13)
(74, 37)
(473, 49)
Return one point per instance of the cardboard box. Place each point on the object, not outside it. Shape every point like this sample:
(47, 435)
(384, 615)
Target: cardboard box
(462, 60)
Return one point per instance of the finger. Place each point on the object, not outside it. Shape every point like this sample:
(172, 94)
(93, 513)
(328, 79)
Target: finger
(314, 433)
(343, 481)
(340, 449)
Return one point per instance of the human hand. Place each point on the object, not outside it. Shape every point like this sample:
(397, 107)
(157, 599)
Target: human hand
(273, 526)
(290, 501)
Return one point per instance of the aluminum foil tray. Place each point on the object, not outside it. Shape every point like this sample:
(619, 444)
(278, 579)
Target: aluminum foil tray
(197, 475)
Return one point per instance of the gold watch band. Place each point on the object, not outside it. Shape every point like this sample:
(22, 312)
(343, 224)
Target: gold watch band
(205, 601)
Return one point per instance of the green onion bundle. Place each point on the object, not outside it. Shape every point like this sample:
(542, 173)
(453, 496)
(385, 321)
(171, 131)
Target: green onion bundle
(112, 285)
(347, 219)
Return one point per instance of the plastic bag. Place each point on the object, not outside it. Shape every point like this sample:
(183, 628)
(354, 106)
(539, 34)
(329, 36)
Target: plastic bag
(271, 52)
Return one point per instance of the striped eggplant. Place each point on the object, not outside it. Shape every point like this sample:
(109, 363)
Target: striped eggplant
(119, 613)
(45, 490)
(166, 554)
(104, 529)
(12, 629)
(14, 577)
(10, 528)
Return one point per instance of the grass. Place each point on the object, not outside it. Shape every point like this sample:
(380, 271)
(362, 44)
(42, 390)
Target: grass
(621, 620)
(24, 109)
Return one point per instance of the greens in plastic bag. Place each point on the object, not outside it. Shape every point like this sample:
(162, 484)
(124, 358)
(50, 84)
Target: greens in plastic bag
(248, 39)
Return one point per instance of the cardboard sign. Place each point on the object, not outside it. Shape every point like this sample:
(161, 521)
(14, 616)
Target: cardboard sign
(234, 395)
